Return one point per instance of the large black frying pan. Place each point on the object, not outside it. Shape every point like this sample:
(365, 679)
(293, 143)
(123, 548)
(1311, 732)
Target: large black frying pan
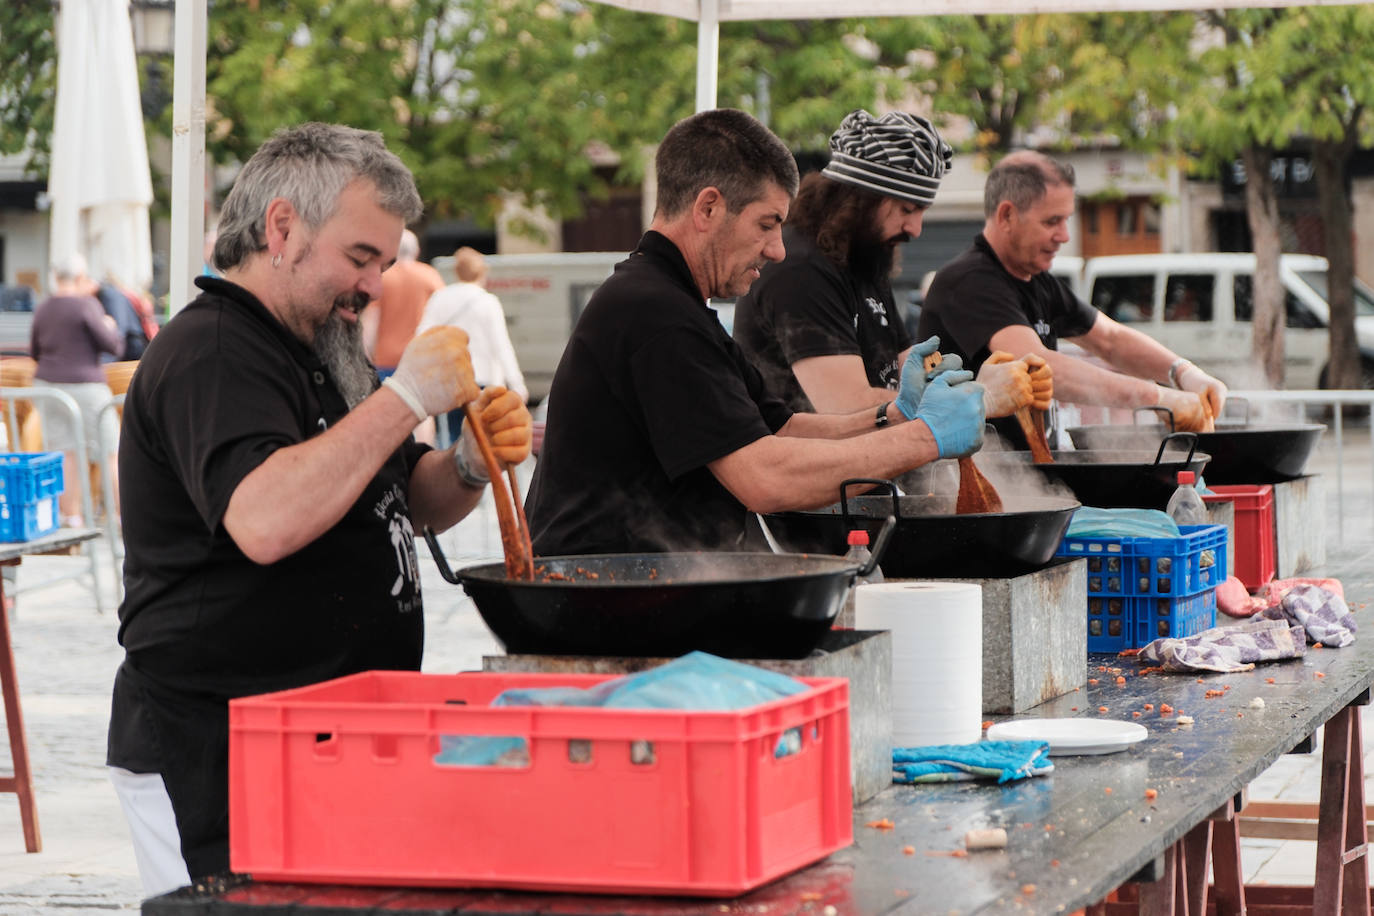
(732, 604)
(1242, 452)
(1135, 479)
(930, 540)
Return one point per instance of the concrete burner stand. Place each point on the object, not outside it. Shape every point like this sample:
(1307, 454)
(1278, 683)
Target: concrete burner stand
(862, 656)
(1035, 635)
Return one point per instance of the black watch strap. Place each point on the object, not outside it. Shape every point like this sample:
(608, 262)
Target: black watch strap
(880, 420)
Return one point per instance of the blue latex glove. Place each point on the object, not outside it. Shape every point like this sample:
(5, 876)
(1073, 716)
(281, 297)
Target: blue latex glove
(952, 407)
(914, 377)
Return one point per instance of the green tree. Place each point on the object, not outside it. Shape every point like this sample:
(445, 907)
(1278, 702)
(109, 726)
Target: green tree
(1328, 99)
(28, 80)
(489, 99)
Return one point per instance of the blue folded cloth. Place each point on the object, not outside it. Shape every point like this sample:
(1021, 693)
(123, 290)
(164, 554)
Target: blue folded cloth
(1090, 522)
(1003, 760)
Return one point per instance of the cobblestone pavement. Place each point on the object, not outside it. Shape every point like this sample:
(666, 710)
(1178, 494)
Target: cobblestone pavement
(67, 656)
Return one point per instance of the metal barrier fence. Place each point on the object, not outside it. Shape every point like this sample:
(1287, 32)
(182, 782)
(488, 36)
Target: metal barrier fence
(1337, 400)
(64, 402)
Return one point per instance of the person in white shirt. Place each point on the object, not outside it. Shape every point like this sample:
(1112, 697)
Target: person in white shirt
(467, 305)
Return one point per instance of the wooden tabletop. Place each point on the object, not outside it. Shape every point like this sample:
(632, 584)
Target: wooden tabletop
(1075, 834)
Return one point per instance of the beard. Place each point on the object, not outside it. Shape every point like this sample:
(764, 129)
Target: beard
(339, 345)
(872, 257)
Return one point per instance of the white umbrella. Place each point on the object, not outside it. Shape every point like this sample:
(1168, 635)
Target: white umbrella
(98, 183)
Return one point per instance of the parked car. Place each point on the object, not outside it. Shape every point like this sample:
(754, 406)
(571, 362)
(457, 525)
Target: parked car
(1200, 306)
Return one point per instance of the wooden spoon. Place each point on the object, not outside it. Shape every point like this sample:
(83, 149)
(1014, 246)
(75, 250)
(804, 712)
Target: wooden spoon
(510, 514)
(1033, 426)
(976, 493)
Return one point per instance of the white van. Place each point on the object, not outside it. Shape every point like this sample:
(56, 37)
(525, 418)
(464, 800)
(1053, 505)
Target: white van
(542, 296)
(1199, 306)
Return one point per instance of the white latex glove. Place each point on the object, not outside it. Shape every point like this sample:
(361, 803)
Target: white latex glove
(1189, 414)
(1006, 384)
(1211, 390)
(434, 374)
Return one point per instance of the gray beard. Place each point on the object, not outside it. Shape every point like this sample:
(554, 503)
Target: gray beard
(339, 345)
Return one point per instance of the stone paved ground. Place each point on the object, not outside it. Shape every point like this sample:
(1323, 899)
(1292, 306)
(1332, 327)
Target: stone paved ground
(67, 656)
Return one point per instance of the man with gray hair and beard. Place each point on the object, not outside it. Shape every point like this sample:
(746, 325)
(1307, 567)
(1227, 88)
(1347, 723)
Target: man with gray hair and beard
(271, 488)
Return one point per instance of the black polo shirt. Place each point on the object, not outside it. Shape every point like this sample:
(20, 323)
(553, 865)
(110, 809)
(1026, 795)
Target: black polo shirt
(806, 305)
(973, 297)
(219, 390)
(649, 391)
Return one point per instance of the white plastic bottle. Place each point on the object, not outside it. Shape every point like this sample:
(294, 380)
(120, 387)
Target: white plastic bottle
(857, 553)
(1186, 506)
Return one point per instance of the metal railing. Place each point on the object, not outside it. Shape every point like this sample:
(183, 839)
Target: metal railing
(1302, 399)
(63, 401)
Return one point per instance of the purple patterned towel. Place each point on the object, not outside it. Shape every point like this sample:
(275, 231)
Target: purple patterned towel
(1323, 614)
(1229, 648)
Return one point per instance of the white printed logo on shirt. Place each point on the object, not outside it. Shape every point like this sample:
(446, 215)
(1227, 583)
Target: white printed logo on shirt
(402, 535)
(878, 309)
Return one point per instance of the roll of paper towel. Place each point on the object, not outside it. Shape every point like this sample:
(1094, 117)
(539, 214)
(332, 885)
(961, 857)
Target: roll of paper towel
(937, 657)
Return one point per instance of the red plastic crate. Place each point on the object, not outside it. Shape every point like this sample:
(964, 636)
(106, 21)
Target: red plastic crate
(336, 783)
(1255, 546)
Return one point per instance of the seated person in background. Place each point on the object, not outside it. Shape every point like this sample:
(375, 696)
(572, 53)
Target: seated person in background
(999, 295)
(822, 325)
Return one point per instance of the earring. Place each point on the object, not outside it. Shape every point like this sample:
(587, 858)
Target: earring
(276, 259)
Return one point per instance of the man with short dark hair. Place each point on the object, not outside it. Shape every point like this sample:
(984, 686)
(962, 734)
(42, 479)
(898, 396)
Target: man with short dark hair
(271, 488)
(999, 295)
(822, 325)
(661, 434)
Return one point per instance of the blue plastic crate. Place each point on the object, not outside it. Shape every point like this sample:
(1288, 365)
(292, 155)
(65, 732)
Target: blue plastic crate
(1140, 567)
(27, 476)
(1158, 617)
(1110, 625)
(29, 485)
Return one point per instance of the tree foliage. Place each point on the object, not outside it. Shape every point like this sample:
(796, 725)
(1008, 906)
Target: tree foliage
(486, 99)
(28, 80)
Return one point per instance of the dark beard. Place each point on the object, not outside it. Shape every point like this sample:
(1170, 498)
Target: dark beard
(871, 259)
(339, 345)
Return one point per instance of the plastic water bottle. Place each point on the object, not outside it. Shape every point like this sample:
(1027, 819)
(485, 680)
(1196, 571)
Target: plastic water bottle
(857, 553)
(1186, 506)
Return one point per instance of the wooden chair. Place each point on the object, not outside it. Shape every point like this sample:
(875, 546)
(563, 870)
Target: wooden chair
(17, 372)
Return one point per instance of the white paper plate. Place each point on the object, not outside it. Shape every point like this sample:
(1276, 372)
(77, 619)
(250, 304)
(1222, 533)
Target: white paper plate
(1072, 736)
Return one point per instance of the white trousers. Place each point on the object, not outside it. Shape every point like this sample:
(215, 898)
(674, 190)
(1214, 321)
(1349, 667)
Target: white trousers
(153, 825)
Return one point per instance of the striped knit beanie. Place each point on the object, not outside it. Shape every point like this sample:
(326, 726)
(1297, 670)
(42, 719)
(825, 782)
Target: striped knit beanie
(898, 155)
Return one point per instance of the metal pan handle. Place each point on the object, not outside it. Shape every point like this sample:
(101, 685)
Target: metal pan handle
(1162, 411)
(1190, 438)
(1243, 401)
(440, 560)
(869, 482)
(879, 547)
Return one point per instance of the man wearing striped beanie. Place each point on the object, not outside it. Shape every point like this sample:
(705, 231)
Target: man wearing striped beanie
(822, 325)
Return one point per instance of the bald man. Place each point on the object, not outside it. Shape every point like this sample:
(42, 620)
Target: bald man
(999, 295)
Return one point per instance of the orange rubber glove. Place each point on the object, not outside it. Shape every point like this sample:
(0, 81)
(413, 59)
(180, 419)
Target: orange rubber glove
(1041, 379)
(509, 429)
(1006, 384)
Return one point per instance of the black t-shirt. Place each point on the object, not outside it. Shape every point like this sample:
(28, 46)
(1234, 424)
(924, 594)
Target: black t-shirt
(973, 297)
(218, 391)
(805, 306)
(649, 391)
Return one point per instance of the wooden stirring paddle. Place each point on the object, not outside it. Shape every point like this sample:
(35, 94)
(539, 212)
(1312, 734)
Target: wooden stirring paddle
(976, 493)
(1033, 426)
(510, 514)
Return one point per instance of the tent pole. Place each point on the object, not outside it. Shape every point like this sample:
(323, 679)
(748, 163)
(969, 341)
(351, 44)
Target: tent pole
(708, 47)
(188, 152)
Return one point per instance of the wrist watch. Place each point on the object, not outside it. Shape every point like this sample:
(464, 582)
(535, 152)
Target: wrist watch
(880, 420)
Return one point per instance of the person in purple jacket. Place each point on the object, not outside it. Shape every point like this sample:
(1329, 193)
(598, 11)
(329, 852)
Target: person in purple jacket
(70, 331)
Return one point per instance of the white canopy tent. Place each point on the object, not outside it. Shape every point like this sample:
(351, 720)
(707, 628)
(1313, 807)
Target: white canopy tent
(99, 184)
(188, 104)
